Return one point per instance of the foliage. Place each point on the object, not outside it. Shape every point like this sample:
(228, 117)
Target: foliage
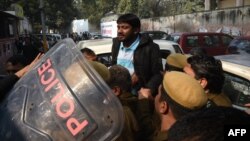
(182, 6)
(60, 13)
(143, 8)
(127, 6)
(4, 4)
(94, 10)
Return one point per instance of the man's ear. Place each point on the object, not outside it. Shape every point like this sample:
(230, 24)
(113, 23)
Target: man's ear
(116, 90)
(203, 82)
(163, 107)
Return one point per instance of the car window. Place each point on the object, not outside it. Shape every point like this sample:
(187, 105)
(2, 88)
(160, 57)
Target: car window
(105, 59)
(192, 41)
(164, 55)
(177, 49)
(174, 38)
(237, 88)
(226, 40)
(216, 40)
(240, 43)
(211, 41)
(155, 34)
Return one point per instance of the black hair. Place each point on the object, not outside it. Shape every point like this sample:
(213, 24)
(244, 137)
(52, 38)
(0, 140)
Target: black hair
(210, 68)
(18, 59)
(88, 51)
(207, 124)
(131, 19)
(120, 76)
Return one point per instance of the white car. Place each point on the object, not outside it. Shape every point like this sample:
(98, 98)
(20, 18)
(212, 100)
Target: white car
(237, 83)
(102, 48)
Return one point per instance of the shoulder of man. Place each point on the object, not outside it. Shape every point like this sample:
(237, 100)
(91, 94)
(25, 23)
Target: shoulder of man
(144, 39)
(115, 40)
(148, 42)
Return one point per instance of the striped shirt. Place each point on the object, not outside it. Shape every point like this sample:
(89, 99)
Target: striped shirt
(125, 55)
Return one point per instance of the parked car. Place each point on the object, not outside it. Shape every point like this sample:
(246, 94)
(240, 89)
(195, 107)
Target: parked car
(156, 34)
(102, 48)
(96, 35)
(214, 43)
(239, 45)
(52, 39)
(237, 83)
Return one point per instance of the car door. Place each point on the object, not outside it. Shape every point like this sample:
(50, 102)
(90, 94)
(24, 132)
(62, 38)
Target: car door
(212, 44)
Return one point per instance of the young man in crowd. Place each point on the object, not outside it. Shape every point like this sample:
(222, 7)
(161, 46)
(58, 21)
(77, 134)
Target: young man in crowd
(208, 71)
(138, 53)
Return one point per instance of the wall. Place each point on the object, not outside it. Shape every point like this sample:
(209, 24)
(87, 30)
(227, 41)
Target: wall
(227, 3)
(25, 26)
(247, 2)
(234, 21)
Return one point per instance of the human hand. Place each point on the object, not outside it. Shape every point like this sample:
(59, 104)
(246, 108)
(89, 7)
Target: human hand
(145, 93)
(247, 105)
(134, 79)
(24, 70)
(248, 108)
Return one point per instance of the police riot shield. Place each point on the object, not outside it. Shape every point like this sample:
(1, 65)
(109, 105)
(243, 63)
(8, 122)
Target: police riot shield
(62, 98)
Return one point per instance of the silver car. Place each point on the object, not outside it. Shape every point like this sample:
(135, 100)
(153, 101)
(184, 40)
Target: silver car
(237, 83)
(102, 48)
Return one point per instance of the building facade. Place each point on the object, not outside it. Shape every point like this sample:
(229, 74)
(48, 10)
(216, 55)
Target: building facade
(8, 35)
(222, 4)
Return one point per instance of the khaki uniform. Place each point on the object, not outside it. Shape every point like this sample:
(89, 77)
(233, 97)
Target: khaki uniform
(130, 128)
(160, 136)
(218, 100)
(127, 99)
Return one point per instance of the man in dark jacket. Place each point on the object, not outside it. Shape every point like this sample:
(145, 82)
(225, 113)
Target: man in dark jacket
(138, 53)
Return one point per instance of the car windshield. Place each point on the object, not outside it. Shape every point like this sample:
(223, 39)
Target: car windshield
(175, 38)
(239, 46)
(156, 34)
(240, 43)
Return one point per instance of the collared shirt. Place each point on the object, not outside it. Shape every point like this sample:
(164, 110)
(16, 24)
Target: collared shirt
(126, 55)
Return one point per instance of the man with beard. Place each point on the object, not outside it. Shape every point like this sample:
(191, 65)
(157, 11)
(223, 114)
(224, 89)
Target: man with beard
(138, 53)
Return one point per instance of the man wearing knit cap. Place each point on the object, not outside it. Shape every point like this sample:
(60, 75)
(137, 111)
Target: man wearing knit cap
(178, 95)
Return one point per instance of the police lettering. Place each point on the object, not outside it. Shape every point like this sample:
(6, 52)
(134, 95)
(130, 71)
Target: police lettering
(48, 78)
